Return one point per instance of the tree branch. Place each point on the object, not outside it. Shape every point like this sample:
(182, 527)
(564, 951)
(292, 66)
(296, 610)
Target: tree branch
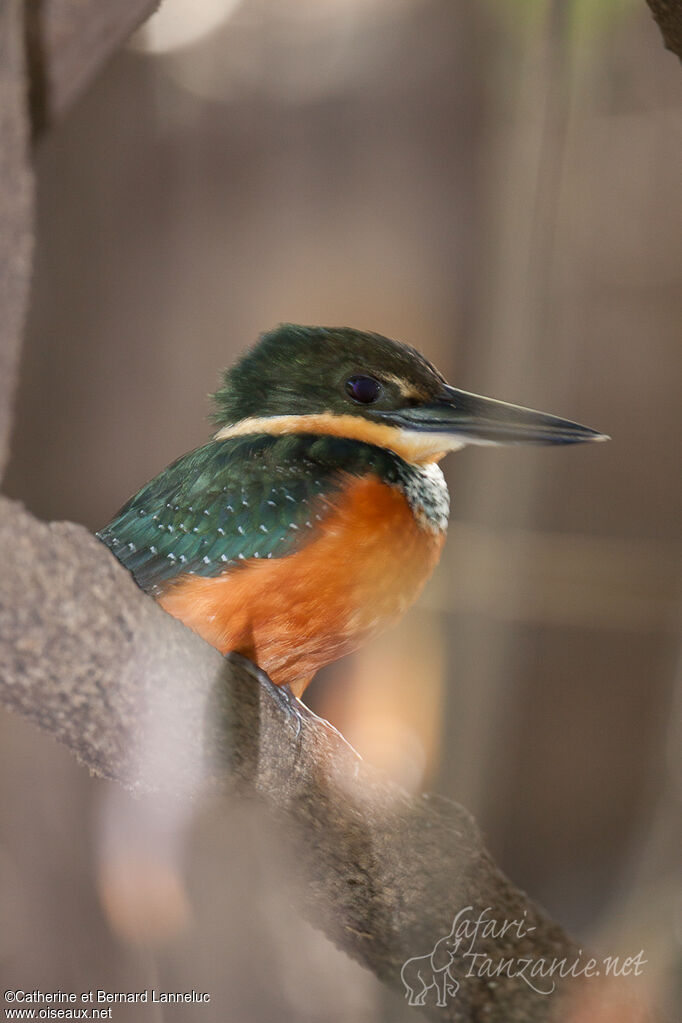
(139, 698)
(69, 41)
(16, 205)
(668, 15)
(64, 43)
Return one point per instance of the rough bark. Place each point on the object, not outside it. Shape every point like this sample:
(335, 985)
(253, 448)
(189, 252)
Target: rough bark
(139, 698)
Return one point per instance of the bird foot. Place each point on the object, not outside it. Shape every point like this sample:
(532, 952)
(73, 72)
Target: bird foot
(295, 708)
(291, 705)
(338, 736)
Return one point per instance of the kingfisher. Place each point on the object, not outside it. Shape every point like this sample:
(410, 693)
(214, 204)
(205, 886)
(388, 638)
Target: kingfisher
(317, 512)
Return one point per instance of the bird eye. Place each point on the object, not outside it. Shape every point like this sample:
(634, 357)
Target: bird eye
(364, 390)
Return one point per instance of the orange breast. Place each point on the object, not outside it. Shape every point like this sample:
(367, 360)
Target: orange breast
(291, 615)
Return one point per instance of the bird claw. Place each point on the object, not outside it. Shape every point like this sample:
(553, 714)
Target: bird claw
(333, 731)
(284, 695)
(293, 706)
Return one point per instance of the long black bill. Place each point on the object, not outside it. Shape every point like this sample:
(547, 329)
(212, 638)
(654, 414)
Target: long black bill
(481, 420)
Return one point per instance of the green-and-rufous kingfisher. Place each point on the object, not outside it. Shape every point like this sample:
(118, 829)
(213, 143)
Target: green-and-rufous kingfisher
(318, 510)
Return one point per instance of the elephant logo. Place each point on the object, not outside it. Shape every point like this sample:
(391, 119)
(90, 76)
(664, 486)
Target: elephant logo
(420, 973)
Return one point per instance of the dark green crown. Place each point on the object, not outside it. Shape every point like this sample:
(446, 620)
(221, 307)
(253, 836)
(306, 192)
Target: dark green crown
(294, 370)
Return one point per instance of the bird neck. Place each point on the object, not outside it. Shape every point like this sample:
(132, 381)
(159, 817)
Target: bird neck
(413, 447)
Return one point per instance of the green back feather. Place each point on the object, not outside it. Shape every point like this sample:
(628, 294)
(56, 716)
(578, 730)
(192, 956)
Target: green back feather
(232, 500)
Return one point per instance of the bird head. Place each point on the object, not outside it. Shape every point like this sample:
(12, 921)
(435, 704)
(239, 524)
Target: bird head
(364, 386)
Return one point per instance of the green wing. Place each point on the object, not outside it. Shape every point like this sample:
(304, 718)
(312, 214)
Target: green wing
(232, 500)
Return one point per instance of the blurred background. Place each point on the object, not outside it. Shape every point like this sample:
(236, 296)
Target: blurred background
(498, 183)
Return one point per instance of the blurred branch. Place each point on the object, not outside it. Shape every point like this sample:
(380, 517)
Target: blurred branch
(68, 42)
(16, 205)
(668, 15)
(62, 44)
(139, 698)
